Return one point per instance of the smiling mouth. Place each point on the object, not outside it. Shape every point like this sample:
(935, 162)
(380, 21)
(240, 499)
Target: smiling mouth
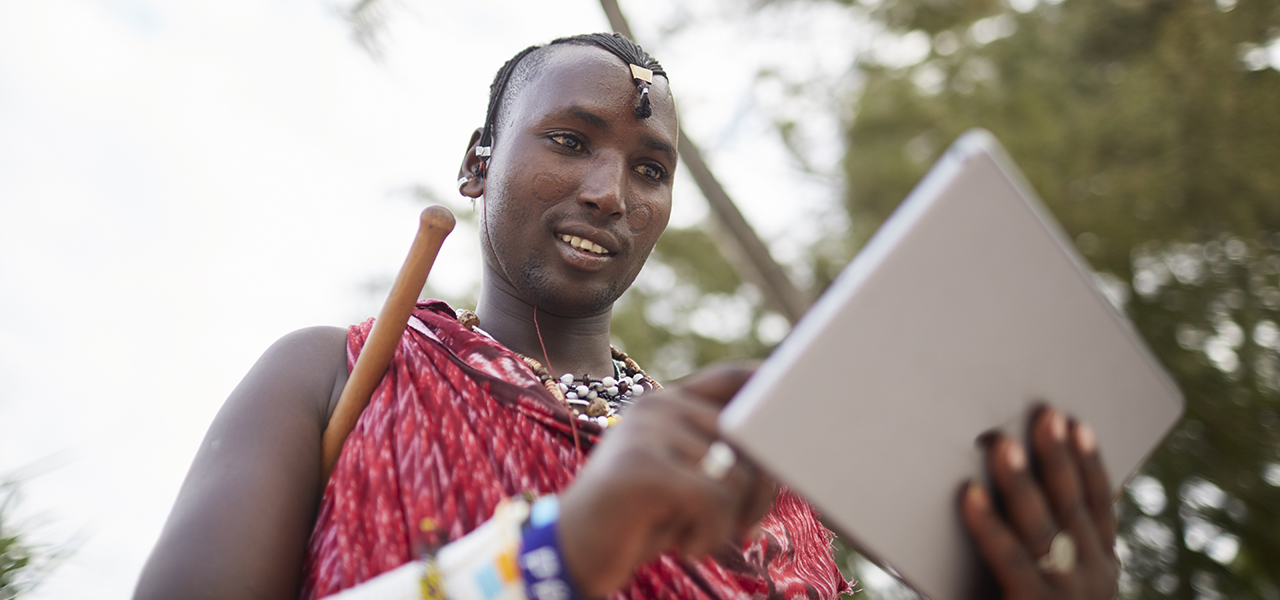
(584, 245)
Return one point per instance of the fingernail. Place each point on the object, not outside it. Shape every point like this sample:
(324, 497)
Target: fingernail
(977, 497)
(987, 439)
(1037, 411)
(1016, 456)
(1058, 427)
(1085, 440)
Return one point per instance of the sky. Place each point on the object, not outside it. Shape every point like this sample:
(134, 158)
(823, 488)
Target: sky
(182, 182)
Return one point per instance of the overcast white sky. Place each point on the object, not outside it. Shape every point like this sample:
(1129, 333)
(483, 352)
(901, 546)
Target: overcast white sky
(182, 182)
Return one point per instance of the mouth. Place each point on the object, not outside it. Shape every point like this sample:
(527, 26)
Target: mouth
(584, 245)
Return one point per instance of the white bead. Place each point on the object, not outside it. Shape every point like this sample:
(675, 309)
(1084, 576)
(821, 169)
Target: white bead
(612, 390)
(636, 390)
(584, 418)
(571, 395)
(603, 421)
(582, 390)
(609, 382)
(563, 387)
(592, 395)
(567, 378)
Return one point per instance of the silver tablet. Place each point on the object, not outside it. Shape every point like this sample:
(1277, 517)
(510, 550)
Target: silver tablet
(966, 308)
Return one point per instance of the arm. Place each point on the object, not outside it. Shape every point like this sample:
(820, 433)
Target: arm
(240, 525)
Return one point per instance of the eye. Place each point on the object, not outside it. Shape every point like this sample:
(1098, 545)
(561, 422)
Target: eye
(651, 171)
(570, 142)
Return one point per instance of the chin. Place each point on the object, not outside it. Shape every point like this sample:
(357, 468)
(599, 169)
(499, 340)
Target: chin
(581, 302)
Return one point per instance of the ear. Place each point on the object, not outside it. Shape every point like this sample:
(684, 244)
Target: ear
(471, 169)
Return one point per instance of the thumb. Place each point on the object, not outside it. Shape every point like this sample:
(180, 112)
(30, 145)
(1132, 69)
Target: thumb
(718, 383)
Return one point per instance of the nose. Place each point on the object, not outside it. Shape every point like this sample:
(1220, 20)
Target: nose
(604, 187)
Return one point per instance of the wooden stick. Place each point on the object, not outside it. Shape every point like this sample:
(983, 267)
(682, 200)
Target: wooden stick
(434, 225)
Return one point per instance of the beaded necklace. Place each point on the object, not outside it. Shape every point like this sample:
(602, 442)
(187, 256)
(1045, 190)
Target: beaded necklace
(599, 400)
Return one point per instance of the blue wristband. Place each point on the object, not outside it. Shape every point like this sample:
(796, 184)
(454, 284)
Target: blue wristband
(541, 561)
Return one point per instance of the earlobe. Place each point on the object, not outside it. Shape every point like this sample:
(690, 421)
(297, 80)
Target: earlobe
(471, 186)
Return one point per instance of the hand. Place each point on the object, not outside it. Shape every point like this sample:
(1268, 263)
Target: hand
(643, 491)
(1071, 495)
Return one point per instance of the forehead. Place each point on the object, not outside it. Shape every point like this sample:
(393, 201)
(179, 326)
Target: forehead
(566, 75)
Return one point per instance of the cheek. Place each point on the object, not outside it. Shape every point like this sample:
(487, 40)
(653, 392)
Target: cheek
(639, 218)
(550, 188)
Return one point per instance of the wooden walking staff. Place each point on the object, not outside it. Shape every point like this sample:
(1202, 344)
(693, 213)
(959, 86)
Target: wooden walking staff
(433, 226)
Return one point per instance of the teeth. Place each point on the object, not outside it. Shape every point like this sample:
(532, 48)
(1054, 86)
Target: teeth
(582, 244)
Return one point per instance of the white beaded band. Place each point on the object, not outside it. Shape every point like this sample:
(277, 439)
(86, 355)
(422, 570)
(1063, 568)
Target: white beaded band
(483, 564)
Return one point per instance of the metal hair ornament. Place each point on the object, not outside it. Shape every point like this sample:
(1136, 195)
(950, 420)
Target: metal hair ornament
(643, 78)
(641, 73)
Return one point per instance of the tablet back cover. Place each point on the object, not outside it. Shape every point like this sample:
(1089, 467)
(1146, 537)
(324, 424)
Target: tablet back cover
(966, 308)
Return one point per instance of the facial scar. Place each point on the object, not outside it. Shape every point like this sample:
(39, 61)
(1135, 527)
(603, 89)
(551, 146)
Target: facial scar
(549, 188)
(638, 218)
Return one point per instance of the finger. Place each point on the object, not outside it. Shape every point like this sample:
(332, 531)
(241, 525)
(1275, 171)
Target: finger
(709, 512)
(686, 440)
(1025, 502)
(1061, 479)
(675, 409)
(1005, 554)
(759, 500)
(718, 383)
(1097, 486)
(660, 539)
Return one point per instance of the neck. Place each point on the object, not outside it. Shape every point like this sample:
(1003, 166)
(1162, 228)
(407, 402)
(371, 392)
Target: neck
(575, 345)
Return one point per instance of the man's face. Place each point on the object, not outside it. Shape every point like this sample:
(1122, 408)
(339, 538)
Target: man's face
(573, 165)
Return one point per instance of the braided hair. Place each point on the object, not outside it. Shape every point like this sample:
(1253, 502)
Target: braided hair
(616, 44)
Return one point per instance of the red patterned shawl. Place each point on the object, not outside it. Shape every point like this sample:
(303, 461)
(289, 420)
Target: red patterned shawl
(459, 423)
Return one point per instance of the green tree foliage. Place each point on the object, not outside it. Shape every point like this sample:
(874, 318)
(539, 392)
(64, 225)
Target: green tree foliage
(1152, 130)
(690, 307)
(21, 565)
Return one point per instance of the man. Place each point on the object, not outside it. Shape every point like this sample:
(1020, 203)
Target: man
(574, 171)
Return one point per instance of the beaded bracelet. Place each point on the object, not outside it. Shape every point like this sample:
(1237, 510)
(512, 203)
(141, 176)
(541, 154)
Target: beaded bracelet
(541, 559)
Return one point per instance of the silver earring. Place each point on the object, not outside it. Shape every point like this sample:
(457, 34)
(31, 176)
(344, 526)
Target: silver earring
(461, 182)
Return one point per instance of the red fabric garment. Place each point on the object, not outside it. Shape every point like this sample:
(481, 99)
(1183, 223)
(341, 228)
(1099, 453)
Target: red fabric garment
(459, 423)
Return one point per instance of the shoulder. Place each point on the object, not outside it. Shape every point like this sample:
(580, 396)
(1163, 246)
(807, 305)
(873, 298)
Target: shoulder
(310, 363)
(240, 524)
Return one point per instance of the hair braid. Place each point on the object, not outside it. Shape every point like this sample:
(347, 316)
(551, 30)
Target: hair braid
(496, 90)
(616, 44)
(627, 50)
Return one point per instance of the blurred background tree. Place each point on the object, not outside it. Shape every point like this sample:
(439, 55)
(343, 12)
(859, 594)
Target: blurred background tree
(22, 563)
(1152, 130)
